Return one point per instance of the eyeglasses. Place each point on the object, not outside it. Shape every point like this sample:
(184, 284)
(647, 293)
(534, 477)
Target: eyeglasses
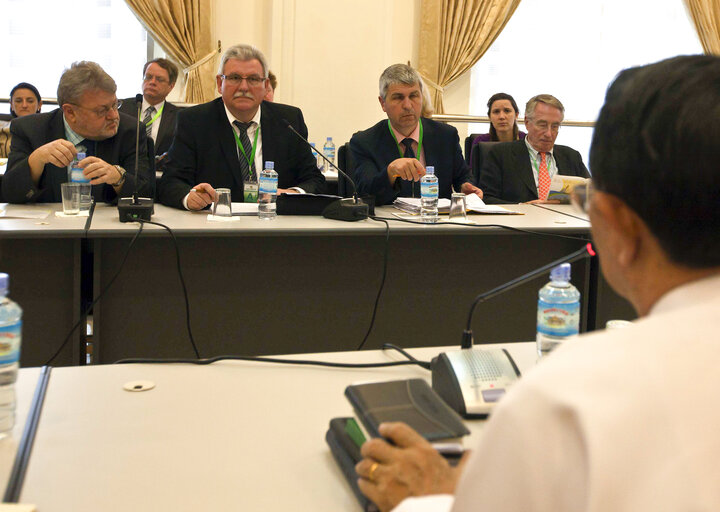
(158, 79)
(252, 80)
(581, 195)
(102, 111)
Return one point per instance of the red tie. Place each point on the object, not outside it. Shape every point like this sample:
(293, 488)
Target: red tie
(543, 179)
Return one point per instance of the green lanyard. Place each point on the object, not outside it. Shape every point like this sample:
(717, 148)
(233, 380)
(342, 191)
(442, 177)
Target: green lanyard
(254, 147)
(159, 113)
(535, 161)
(402, 153)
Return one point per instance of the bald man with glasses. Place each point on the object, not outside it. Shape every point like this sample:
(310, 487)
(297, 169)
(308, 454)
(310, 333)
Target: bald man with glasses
(44, 145)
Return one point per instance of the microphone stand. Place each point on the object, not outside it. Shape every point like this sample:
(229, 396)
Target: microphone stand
(135, 208)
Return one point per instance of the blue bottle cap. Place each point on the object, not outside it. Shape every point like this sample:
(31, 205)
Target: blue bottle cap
(270, 165)
(80, 156)
(329, 139)
(561, 273)
(4, 283)
(430, 170)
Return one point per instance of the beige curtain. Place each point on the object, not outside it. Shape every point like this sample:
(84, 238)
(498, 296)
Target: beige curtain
(184, 29)
(706, 16)
(454, 34)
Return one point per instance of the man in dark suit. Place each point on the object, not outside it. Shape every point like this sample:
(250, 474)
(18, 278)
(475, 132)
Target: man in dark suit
(521, 171)
(43, 145)
(224, 143)
(159, 77)
(391, 156)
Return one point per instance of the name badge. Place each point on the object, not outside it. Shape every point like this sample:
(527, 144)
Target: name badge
(250, 191)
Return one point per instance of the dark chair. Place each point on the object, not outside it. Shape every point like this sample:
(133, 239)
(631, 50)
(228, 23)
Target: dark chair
(345, 163)
(468, 146)
(478, 157)
(151, 162)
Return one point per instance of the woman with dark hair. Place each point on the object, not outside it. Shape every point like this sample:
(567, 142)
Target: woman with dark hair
(503, 113)
(24, 100)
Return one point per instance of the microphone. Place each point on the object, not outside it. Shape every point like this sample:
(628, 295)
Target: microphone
(136, 208)
(472, 381)
(349, 209)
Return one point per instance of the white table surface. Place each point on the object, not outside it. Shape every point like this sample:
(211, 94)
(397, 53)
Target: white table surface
(229, 436)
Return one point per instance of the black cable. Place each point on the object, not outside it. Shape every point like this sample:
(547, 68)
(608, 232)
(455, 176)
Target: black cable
(264, 359)
(83, 316)
(410, 357)
(510, 228)
(382, 282)
(182, 282)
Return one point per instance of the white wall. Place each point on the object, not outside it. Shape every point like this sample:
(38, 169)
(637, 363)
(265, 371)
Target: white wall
(328, 55)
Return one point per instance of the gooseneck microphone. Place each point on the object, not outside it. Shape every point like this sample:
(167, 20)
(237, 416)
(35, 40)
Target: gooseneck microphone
(136, 208)
(349, 209)
(467, 336)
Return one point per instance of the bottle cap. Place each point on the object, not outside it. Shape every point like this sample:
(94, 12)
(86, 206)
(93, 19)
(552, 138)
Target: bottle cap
(560, 273)
(430, 170)
(329, 139)
(80, 156)
(4, 283)
(270, 165)
(312, 144)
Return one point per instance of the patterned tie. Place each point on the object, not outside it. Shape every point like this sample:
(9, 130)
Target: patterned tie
(148, 117)
(543, 179)
(247, 170)
(408, 187)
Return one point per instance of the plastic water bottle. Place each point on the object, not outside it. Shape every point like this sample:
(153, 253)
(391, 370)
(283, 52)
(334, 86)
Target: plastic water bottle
(76, 172)
(558, 315)
(329, 152)
(10, 340)
(268, 192)
(429, 196)
(318, 161)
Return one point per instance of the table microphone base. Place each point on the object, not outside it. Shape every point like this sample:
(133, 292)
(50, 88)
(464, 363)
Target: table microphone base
(133, 209)
(347, 210)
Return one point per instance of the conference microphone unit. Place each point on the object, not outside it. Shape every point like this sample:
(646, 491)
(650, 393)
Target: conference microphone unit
(136, 208)
(348, 209)
(472, 381)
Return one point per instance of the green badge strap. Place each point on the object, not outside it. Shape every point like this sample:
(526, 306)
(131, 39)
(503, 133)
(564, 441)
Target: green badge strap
(254, 147)
(159, 113)
(402, 153)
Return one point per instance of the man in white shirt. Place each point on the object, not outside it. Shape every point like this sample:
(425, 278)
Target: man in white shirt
(622, 420)
(158, 115)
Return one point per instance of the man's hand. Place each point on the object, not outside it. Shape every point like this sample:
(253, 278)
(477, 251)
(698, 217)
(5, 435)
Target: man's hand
(59, 152)
(287, 191)
(468, 188)
(547, 201)
(200, 196)
(409, 169)
(99, 171)
(389, 474)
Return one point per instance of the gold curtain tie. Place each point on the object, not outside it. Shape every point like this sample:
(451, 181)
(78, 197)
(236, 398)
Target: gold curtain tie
(200, 62)
(431, 83)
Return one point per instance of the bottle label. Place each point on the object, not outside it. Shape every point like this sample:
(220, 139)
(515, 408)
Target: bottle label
(10, 338)
(268, 185)
(558, 319)
(77, 176)
(330, 154)
(428, 190)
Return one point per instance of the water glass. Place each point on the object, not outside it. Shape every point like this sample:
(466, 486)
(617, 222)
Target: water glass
(85, 196)
(458, 210)
(70, 198)
(223, 206)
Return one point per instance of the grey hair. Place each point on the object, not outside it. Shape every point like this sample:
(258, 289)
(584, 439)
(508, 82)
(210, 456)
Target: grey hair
(80, 77)
(398, 74)
(542, 98)
(243, 52)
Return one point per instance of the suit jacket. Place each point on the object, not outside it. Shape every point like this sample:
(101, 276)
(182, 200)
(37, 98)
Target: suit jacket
(31, 132)
(204, 150)
(507, 177)
(375, 148)
(166, 132)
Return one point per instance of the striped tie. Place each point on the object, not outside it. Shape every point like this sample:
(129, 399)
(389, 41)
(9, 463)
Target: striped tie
(148, 117)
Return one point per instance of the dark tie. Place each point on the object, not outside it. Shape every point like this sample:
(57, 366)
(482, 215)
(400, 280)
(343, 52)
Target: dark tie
(408, 187)
(89, 147)
(247, 170)
(148, 117)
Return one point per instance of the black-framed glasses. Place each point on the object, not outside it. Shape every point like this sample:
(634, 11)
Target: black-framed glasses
(581, 195)
(102, 111)
(252, 80)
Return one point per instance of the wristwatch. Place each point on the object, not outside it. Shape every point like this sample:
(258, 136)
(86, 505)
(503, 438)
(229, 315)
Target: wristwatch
(123, 175)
